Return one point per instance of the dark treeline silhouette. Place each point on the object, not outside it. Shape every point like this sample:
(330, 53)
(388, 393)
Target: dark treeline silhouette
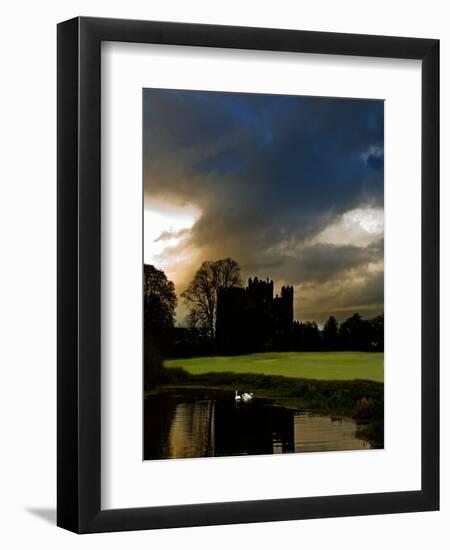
(226, 318)
(160, 302)
(354, 334)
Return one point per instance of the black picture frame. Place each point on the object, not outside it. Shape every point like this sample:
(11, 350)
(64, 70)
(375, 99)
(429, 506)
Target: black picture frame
(79, 280)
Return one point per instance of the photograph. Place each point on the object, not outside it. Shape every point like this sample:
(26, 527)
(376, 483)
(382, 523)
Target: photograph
(216, 207)
(263, 276)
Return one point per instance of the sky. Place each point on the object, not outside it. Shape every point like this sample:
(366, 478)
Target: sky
(291, 187)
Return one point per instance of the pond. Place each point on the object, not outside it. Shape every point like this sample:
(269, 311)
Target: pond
(206, 423)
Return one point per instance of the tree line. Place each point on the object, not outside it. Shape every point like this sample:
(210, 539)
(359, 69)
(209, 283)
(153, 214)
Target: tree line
(355, 333)
(163, 338)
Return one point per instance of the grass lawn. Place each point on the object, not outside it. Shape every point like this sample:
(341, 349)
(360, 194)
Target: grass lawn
(339, 365)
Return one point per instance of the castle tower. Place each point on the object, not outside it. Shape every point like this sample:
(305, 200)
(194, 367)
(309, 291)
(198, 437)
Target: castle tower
(287, 298)
(251, 319)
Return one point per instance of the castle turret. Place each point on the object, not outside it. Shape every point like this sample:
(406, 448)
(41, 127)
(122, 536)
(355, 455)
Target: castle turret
(250, 319)
(287, 297)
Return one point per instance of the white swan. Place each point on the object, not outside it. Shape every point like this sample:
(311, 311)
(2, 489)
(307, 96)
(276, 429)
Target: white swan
(242, 396)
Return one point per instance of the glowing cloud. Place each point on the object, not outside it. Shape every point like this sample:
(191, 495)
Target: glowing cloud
(358, 227)
(165, 227)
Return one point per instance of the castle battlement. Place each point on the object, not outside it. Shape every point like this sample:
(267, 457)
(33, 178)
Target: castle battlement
(251, 319)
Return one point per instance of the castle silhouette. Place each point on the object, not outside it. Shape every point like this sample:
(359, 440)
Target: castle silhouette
(251, 319)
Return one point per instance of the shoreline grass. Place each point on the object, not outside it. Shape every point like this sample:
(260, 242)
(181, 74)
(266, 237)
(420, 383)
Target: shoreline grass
(328, 396)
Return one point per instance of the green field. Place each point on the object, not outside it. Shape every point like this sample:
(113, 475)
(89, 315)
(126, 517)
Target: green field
(340, 365)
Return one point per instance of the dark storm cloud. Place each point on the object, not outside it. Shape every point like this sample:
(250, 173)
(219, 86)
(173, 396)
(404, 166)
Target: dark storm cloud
(341, 297)
(296, 161)
(323, 262)
(266, 172)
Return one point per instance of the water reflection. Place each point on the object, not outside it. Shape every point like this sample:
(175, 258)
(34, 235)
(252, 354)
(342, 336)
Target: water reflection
(190, 424)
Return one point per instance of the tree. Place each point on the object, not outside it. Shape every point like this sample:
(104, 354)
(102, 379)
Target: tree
(354, 333)
(201, 293)
(330, 333)
(159, 315)
(160, 300)
(377, 332)
(306, 336)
